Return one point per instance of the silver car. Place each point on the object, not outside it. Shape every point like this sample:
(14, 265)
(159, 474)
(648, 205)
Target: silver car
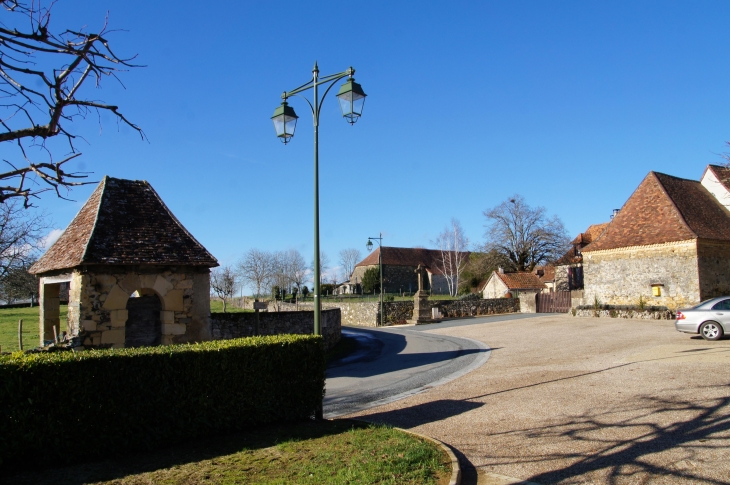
(711, 318)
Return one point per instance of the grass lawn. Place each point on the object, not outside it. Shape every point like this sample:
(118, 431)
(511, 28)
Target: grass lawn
(9, 327)
(329, 452)
(216, 306)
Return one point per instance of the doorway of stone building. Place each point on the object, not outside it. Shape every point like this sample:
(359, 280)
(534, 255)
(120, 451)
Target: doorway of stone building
(143, 328)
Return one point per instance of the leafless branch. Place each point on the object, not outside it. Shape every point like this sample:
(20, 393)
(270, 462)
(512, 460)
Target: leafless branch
(47, 98)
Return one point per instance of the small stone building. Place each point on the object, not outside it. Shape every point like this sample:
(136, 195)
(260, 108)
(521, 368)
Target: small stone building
(669, 245)
(399, 269)
(137, 276)
(522, 285)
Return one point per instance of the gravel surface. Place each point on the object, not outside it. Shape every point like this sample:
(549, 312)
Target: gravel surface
(581, 400)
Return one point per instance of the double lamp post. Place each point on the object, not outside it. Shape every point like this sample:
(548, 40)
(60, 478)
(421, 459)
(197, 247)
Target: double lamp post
(351, 98)
(369, 245)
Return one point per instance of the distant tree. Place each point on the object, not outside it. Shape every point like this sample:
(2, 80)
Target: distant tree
(47, 77)
(298, 271)
(452, 244)
(22, 237)
(326, 289)
(348, 259)
(371, 280)
(256, 268)
(324, 265)
(726, 155)
(524, 235)
(223, 283)
(479, 267)
(305, 291)
(18, 284)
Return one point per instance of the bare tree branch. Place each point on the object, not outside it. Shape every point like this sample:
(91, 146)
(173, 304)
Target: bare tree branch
(48, 98)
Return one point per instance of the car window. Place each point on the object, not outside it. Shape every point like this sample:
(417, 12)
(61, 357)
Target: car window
(723, 305)
(703, 303)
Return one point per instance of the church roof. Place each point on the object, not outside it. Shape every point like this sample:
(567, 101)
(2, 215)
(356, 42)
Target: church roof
(430, 258)
(124, 222)
(665, 209)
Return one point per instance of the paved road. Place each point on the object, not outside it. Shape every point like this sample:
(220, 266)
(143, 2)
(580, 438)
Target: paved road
(396, 362)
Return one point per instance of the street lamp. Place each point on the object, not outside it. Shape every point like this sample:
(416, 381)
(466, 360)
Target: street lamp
(369, 245)
(352, 100)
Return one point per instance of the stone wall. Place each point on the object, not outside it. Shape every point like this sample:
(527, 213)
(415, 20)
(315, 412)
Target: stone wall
(621, 276)
(713, 260)
(528, 301)
(367, 314)
(636, 314)
(98, 302)
(235, 325)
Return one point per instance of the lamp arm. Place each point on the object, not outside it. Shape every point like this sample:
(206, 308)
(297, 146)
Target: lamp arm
(326, 79)
(334, 80)
(307, 100)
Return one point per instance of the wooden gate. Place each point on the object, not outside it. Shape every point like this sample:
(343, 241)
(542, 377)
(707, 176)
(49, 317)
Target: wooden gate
(556, 302)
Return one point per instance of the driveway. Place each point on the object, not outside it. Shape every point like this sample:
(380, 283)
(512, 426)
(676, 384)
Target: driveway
(580, 400)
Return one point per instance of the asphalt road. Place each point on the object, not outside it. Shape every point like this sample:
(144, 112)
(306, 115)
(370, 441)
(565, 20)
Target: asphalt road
(396, 362)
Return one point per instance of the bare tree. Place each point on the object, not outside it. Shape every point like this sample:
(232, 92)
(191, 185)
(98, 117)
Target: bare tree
(256, 269)
(324, 265)
(21, 236)
(299, 273)
(348, 259)
(452, 244)
(525, 235)
(223, 283)
(45, 82)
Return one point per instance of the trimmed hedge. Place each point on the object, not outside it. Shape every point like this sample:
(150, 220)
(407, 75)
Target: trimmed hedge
(63, 406)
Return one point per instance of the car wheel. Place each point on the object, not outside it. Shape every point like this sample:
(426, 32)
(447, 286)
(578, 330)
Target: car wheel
(711, 331)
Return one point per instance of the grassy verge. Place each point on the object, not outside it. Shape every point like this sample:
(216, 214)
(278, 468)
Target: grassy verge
(329, 452)
(9, 327)
(216, 306)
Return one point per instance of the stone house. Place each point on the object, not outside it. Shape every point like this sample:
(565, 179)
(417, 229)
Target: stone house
(569, 268)
(521, 284)
(669, 245)
(136, 275)
(399, 269)
(716, 180)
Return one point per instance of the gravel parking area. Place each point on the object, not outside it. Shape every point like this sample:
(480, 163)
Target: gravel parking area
(582, 400)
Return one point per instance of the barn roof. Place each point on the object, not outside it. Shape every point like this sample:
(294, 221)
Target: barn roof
(124, 222)
(665, 209)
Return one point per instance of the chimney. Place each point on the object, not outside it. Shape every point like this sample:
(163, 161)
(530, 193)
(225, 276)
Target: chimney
(500, 270)
(615, 213)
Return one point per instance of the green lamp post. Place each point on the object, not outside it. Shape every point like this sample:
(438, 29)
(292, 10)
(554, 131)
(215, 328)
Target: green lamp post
(369, 245)
(352, 99)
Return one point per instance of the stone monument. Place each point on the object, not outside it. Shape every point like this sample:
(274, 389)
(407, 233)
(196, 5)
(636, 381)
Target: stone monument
(421, 308)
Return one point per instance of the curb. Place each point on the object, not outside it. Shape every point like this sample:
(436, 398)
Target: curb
(455, 468)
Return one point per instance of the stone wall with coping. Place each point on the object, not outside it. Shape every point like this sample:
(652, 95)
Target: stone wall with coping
(367, 314)
(621, 276)
(236, 325)
(98, 302)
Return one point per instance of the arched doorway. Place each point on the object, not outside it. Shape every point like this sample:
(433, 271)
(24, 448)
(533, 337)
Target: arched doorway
(143, 326)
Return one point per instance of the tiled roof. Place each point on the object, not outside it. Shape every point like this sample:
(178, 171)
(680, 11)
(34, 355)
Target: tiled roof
(548, 273)
(665, 209)
(124, 222)
(430, 258)
(521, 281)
(591, 234)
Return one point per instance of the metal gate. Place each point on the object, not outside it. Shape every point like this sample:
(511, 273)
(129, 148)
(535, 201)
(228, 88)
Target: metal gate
(556, 302)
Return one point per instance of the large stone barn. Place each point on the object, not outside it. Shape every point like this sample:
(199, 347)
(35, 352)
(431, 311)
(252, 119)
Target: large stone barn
(137, 276)
(399, 269)
(669, 245)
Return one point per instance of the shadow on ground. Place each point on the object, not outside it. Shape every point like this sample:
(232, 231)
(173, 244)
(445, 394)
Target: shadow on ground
(191, 451)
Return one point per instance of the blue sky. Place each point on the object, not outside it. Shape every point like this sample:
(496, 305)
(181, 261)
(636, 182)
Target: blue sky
(569, 104)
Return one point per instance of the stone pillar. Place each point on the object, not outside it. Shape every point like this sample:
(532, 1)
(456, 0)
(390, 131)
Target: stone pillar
(421, 307)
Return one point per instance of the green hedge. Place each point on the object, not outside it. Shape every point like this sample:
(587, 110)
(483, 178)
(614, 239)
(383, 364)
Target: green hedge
(65, 406)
